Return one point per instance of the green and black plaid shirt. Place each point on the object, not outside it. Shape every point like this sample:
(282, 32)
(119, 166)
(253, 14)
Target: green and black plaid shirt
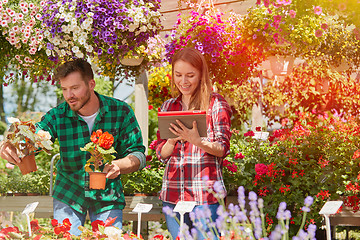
(71, 184)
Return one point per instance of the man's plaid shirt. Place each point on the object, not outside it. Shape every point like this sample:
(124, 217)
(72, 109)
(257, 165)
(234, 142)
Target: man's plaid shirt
(71, 184)
(189, 166)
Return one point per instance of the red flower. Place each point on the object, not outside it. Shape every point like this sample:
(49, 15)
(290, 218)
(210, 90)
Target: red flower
(258, 129)
(95, 225)
(239, 156)
(261, 169)
(34, 225)
(54, 222)
(356, 154)
(148, 158)
(106, 140)
(160, 237)
(151, 107)
(249, 134)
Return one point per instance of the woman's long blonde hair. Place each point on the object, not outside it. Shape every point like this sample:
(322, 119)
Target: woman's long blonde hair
(200, 100)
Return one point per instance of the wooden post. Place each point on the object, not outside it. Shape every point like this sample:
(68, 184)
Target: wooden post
(141, 106)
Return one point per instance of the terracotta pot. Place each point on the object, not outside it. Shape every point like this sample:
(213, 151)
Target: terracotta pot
(97, 180)
(131, 61)
(27, 164)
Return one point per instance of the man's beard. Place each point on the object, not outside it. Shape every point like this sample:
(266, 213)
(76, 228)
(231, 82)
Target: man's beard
(83, 102)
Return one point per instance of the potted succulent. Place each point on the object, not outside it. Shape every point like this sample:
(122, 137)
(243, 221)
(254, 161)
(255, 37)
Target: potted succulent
(28, 141)
(101, 150)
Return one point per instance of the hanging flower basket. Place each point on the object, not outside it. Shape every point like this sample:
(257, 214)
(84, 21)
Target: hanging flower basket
(281, 65)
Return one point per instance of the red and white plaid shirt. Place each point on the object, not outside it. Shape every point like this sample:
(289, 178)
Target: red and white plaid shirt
(188, 164)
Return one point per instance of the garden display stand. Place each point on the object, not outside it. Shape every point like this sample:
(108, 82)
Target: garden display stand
(27, 164)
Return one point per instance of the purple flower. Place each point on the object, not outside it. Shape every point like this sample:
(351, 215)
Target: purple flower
(110, 50)
(308, 201)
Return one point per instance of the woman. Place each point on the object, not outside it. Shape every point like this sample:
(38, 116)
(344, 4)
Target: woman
(192, 162)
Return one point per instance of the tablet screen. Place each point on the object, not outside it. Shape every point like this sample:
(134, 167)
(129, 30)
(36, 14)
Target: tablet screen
(186, 117)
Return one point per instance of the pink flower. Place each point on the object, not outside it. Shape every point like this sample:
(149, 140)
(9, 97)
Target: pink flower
(292, 13)
(324, 26)
(261, 169)
(9, 166)
(318, 33)
(239, 156)
(317, 10)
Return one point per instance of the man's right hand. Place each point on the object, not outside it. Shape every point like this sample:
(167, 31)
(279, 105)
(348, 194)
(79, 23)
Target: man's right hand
(9, 153)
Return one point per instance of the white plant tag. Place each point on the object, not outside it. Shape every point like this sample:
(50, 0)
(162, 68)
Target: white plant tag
(30, 208)
(142, 208)
(330, 207)
(184, 206)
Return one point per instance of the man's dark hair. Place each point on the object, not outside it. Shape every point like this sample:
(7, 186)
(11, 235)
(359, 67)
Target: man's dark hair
(78, 65)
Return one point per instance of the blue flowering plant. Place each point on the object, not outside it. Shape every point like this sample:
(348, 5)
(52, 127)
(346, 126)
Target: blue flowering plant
(246, 220)
(108, 31)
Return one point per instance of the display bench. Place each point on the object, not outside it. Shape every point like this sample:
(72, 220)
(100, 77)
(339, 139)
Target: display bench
(45, 208)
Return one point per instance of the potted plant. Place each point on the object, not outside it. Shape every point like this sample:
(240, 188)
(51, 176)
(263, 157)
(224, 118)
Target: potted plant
(283, 33)
(27, 141)
(101, 151)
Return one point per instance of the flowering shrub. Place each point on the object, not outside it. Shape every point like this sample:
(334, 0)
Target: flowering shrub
(159, 85)
(237, 221)
(312, 86)
(279, 167)
(148, 180)
(101, 150)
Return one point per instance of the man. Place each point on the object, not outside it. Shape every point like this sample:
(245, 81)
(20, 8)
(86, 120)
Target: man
(72, 123)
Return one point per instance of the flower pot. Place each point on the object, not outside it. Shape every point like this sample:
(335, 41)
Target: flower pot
(131, 61)
(97, 180)
(343, 66)
(281, 65)
(27, 164)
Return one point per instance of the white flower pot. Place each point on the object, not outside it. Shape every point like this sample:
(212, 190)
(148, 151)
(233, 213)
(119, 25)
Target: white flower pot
(281, 65)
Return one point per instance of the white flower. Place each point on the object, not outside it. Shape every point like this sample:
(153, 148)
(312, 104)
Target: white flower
(13, 120)
(48, 52)
(44, 135)
(75, 49)
(79, 55)
(113, 233)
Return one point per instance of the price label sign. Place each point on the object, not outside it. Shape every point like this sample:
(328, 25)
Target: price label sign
(142, 208)
(30, 208)
(184, 206)
(330, 207)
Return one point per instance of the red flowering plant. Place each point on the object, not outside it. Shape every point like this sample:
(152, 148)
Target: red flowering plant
(317, 155)
(101, 150)
(54, 230)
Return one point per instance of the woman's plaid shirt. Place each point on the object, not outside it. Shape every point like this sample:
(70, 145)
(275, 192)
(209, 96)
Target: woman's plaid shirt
(189, 166)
